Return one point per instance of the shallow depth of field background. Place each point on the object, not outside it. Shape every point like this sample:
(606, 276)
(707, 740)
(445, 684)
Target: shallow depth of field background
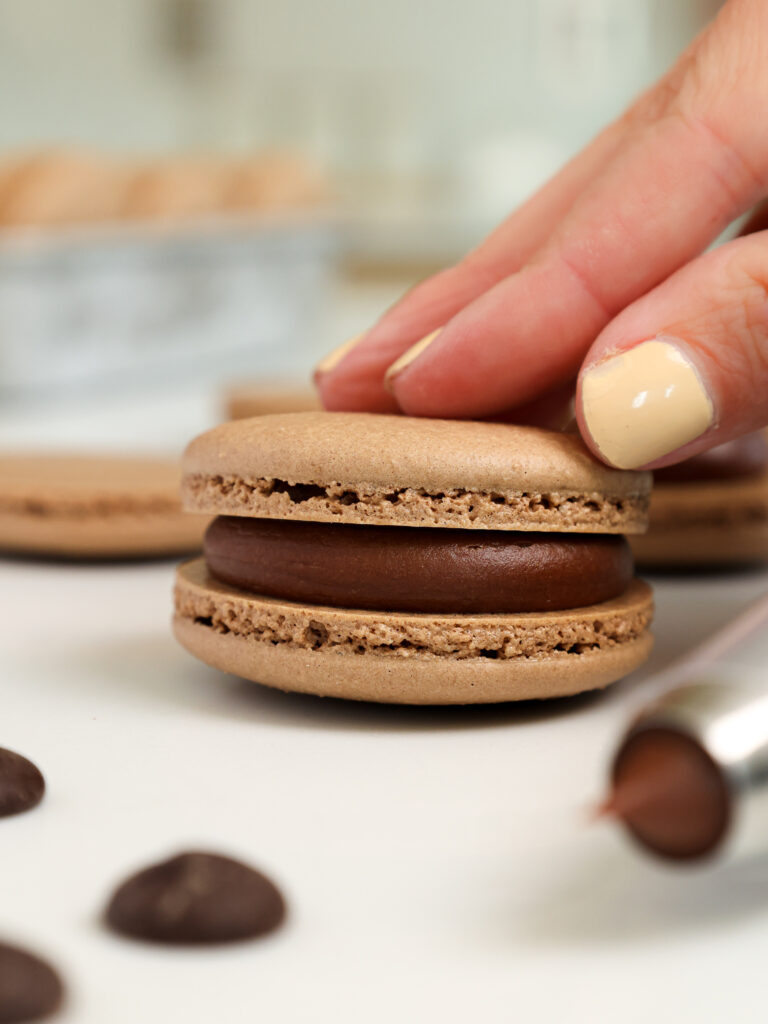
(427, 121)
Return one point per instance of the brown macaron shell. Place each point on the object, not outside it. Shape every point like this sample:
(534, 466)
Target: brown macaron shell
(739, 459)
(410, 658)
(710, 510)
(707, 523)
(94, 506)
(402, 471)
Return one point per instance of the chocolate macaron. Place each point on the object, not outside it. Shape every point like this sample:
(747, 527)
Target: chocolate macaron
(711, 510)
(412, 561)
(94, 506)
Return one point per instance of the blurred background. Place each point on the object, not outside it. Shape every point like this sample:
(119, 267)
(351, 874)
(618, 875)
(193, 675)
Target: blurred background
(194, 192)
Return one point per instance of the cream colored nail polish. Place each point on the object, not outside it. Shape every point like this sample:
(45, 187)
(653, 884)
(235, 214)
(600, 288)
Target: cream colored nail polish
(645, 403)
(334, 358)
(408, 356)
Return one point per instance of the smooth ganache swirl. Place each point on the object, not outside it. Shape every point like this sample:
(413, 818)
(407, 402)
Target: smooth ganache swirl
(417, 569)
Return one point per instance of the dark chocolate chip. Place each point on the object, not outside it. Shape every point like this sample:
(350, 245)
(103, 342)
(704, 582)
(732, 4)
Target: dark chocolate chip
(29, 988)
(672, 796)
(21, 784)
(196, 898)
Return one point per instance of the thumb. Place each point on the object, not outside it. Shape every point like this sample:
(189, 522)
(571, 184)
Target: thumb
(685, 367)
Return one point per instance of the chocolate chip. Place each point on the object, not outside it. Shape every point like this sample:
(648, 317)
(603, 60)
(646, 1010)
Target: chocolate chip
(196, 898)
(21, 784)
(29, 988)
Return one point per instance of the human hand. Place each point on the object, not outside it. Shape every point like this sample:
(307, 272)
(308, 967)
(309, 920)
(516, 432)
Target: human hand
(602, 275)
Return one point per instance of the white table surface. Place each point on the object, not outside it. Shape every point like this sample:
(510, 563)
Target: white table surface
(438, 862)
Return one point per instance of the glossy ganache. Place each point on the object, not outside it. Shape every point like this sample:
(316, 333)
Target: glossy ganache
(422, 570)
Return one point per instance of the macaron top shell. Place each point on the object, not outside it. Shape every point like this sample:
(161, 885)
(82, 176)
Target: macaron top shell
(397, 470)
(80, 484)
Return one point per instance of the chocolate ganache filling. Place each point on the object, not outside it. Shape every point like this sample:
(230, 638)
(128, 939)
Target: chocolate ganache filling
(396, 568)
(735, 460)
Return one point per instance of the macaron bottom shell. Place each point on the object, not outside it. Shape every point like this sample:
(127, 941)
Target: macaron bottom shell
(408, 658)
(142, 535)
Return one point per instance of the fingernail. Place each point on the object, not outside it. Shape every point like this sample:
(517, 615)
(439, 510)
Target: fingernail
(408, 357)
(334, 358)
(645, 403)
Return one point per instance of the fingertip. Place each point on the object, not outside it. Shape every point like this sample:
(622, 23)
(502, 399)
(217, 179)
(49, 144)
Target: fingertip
(406, 360)
(342, 386)
(330, 362)
(340, 394)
